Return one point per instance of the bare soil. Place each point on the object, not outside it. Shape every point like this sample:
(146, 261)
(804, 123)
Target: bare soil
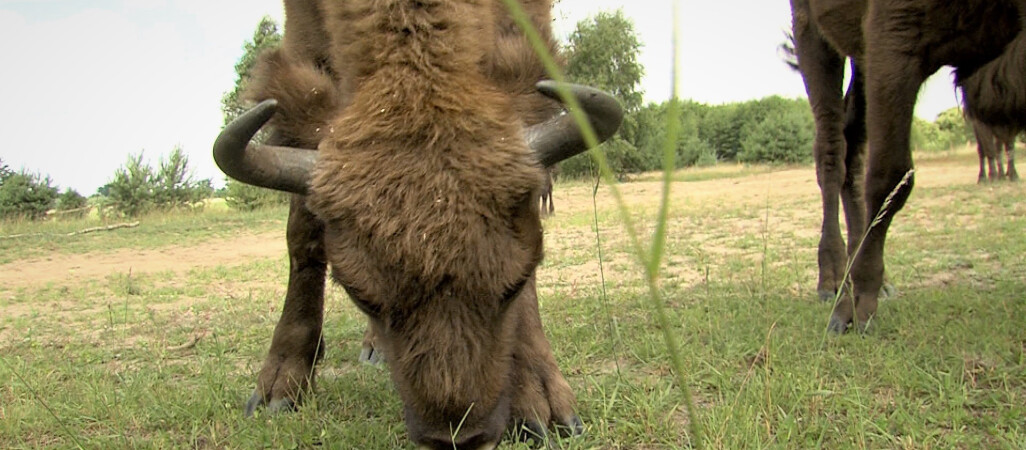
(86, 266)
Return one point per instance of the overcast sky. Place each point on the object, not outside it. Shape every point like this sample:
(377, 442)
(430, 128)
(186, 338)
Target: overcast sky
(85, 84)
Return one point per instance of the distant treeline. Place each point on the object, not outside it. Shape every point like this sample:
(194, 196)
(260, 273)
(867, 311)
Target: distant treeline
(772, 130)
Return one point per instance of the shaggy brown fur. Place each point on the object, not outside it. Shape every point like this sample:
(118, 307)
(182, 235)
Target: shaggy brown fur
(896, 44)
(424, 202)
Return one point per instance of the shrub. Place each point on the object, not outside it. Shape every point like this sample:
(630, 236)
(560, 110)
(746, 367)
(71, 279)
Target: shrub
(72, 204)
(26, 195)
(785, 138)
(244, 197)
(624, 159)
(137, 188)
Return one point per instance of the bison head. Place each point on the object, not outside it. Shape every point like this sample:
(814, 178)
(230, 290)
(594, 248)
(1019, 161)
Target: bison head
(434, 233)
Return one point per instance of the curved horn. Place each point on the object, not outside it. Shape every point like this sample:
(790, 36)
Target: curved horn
(560, 137)
(282, 168)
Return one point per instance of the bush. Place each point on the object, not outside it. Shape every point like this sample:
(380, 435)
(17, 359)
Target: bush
(137, 188)
(72, 203)
(786, 138)
(692, 151)
(624, 159)
(244, 197)
(130, 193)
(25, 195)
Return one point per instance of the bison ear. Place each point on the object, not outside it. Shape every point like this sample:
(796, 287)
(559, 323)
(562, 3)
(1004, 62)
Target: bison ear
(560, 137)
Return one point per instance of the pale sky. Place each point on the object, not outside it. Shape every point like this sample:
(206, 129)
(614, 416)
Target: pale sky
(85, 84)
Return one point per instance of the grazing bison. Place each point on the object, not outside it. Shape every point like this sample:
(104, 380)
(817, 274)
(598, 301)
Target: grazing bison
(548, 207)
(422, 198)
(895, 45)
(993, 142)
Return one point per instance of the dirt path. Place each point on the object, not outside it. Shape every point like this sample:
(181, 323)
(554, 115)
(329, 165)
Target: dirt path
(754, 189)
(174, 258)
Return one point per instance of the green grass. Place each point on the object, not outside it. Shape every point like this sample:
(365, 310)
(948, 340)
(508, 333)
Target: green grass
(106, 363)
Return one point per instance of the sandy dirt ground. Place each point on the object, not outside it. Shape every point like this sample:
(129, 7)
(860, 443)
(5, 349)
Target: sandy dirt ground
(86, 266)
(755, 189)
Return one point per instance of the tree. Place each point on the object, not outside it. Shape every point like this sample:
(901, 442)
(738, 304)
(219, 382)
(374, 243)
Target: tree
(174, 184)
(241, 195)
(4, 171)
(137, 188)
(603, 52)
(24, 194)
(779, 138)
(130, 193)
(953, 122)
(266, 35)
(70, 199)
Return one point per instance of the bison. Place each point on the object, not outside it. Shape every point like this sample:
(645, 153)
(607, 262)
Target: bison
(431, 146)
(993, 142)
(548, 206)
(895, 45)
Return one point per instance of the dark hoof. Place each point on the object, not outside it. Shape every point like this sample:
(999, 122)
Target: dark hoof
(530, 432)
(862, 328)
(826, 295)
(572, 427)
(838, 326)
(369, 355)
(888, 291)
(276, 406)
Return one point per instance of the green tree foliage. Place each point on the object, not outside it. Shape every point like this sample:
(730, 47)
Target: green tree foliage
(775, 129)
(779, 138)
(603, 52)
(71, 200)
(4, 170)
(137, 188)
(240, 195)
(953, 122)
(130, 193)
(24, 194)
(244, 197)
(266, 35)
(174, 184)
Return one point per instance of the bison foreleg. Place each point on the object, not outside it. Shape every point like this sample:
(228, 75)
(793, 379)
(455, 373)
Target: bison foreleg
(297, 344)
(542, 397)
(892, 84)
(822, 70)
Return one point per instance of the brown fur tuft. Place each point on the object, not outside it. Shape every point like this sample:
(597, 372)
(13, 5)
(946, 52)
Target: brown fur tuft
(308, 98)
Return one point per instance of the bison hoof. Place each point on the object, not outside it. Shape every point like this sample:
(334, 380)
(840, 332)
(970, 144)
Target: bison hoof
(534, 433)
(838, 326)
(887, 290)
(826, 295)
(862, 328)
(530, 432)
(572, 427)
(274, 406)
(372, 356)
